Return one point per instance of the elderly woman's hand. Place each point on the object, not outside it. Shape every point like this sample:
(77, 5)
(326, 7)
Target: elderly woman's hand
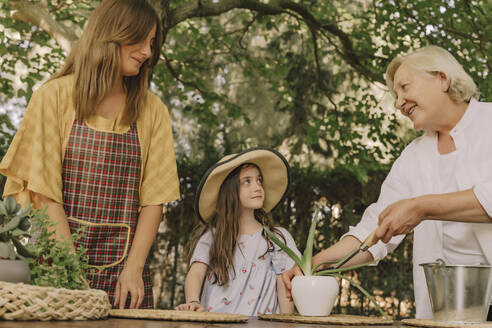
(399, 218)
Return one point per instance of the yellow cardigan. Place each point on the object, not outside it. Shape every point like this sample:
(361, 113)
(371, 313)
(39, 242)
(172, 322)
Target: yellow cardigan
(34, 160)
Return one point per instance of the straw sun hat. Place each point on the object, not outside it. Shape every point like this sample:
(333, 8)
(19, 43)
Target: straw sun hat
(273, 167)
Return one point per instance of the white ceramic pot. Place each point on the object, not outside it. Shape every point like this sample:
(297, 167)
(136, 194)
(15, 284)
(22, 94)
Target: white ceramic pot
(14, 271)
(314, 295)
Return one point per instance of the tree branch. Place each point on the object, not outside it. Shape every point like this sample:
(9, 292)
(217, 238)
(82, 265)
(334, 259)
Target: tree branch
(36, 13)
(196, 8)
(178, 78)
(316, 55)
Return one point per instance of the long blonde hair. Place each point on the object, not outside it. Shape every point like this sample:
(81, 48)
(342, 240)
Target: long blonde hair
(95, 58)
(224, 226)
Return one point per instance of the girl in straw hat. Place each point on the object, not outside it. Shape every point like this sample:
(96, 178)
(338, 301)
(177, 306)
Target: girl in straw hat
(241, 267)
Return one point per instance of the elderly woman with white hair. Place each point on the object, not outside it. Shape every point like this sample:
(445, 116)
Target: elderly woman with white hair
(441, 185)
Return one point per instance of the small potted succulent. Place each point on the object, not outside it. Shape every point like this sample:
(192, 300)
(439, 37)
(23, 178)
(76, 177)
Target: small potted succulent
(14, 226)
(315, 292)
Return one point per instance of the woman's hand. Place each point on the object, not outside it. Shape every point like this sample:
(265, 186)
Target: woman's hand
(190, 306)
(129, 281)
(399, 218)
(287, 277)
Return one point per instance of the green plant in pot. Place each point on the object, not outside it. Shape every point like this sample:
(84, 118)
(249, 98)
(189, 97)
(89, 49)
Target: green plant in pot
(44, 261)
(315, 292)
(14, 227)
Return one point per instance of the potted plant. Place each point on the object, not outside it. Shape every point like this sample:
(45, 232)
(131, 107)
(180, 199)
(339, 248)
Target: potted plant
(315, 292)
(46, 262)
(57, 289)
(14, 226)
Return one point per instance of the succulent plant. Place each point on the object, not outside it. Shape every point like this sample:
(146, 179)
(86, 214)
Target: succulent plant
(14, 225)
(305, 261)
(51, 262)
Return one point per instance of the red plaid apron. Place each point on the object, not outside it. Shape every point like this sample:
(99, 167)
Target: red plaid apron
(101, 174)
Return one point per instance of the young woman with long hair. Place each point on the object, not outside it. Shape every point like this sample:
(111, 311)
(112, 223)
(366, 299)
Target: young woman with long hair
(95, 147)
(241, 265)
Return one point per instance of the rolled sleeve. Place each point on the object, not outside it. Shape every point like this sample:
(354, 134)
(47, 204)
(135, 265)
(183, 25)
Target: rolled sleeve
(394, 188)
(483, 192)
(367, 225)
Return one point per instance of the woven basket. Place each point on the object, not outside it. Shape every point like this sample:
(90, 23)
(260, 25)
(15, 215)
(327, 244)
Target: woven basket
(27, 302)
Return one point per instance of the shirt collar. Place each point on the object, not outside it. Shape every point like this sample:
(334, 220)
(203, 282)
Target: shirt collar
(466, 119)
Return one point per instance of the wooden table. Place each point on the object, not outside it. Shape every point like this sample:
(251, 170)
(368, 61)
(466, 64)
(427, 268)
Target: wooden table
(142, 323)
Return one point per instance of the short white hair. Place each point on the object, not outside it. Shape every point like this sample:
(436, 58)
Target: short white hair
(433, 60)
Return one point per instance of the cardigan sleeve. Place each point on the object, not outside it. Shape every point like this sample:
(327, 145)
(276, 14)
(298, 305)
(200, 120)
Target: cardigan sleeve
(160, 183)
(33, 162)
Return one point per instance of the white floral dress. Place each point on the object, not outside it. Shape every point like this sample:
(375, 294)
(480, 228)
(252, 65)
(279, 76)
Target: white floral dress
(252, 288)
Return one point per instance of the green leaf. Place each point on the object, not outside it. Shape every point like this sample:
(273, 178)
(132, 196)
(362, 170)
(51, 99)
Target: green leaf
(10, 204)
(329, 272)
(285, 248)
(22, 250)
(369, 296)
(3, 210)
(12, 224)
(17, 232)
(307, 257)
(4, 250)
(317, 266)
(7, 250)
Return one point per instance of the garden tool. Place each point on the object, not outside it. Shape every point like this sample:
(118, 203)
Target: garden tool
(368, 242)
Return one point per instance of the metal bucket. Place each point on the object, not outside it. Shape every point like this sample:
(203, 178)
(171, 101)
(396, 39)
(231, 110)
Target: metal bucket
(458, 293)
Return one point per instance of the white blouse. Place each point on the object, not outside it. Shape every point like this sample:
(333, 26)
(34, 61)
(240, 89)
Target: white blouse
(460, 244)
(416, 172)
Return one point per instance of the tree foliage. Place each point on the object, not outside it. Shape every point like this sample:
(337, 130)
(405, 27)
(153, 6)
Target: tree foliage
(237, 67)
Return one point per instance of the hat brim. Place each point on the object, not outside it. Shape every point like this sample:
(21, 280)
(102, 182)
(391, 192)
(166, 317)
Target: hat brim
(272, 164)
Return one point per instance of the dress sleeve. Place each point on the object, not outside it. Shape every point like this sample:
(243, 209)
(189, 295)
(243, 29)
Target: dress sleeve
(160, 183)
(201, 253)
(33, 162)
(280, 260)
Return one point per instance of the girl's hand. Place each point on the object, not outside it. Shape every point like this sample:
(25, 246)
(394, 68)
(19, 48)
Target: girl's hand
(129, 281)
(287, 277)
(190, 306)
